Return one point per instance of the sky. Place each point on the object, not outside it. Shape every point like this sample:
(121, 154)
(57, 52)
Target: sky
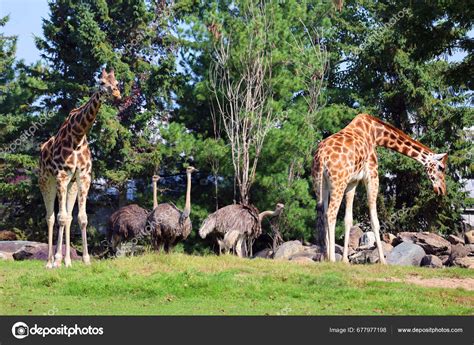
(26, 19)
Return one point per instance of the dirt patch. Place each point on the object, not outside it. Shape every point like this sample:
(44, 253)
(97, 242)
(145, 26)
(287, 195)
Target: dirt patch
(448, 283)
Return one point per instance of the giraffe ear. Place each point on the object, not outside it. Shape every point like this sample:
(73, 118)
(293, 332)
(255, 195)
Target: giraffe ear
(440, 156)
(104, 73)
(112, 72)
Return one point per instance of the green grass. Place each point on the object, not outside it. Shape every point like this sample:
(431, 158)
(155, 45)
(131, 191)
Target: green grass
(179, 284)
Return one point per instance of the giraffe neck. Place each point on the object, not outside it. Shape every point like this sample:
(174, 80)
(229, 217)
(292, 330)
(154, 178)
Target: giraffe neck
(390, 137)
(81, 119)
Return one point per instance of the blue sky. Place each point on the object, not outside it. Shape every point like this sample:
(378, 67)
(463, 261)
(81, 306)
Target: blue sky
(26, 19)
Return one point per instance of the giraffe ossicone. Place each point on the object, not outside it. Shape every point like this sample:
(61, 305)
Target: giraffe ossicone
(65, 170)
(348, 157)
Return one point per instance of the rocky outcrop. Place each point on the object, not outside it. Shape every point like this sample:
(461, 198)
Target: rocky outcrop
(431, 243)
(455, 239)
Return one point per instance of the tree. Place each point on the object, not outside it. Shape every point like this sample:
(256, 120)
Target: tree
(395, 67)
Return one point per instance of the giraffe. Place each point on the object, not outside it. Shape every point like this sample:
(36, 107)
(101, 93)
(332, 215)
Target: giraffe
(348, 157)
(65, 170)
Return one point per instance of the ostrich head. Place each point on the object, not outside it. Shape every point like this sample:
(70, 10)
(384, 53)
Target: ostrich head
(191, 169)
(435, 168)
(279, 209)
(155, 178)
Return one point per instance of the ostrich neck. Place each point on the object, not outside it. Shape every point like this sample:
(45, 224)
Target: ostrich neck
(155, 197)
(265, 214)
(187, 206)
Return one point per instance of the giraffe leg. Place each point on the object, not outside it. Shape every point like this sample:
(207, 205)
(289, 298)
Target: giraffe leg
(71, 200)
(333, 208)
(372, 185)
(48, 190)
(63, 217)
(348, 218)
(83, 182)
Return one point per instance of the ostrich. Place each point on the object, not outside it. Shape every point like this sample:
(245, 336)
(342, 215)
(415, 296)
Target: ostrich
(245, 219)
(129, 221)
(168, 224)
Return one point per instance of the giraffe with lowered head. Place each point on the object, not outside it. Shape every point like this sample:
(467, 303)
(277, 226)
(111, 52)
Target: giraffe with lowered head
(65, 170)
(348, 157)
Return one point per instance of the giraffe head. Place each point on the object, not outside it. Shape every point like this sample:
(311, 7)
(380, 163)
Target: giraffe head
(435, 168)
(109, 84)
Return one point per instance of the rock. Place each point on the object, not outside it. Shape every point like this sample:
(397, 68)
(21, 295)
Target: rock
(389, 238)
(7, 235)
(470, 247)
(431, 261)
(360, 257)
(288, 249)
(458, 251)
(266, 253)
(314, 249)
(444, 259)
(431, 243)
(367, 239)
(338, 257)
(373, 255)
(339, 249)
(406, 254)
(354, 237)
(465, 262)
(6, 256)
(303, 254)
(13, 246)
(469, 237)
(302, 260)
(455, 239)
(39, 251)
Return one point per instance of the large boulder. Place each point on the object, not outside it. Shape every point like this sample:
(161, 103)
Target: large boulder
(39, 251)
(458, 251)
(469, 237)
(406, 254)
(455, 239)
(7, 235)
(431, 261)
(465, 262)
(373, 255)
(431, 243)
(354, 237)
(367, 239)
(287, 249)
(13, 246)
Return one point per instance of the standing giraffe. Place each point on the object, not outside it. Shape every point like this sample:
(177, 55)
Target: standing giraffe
(65, 170)
(350, 156)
